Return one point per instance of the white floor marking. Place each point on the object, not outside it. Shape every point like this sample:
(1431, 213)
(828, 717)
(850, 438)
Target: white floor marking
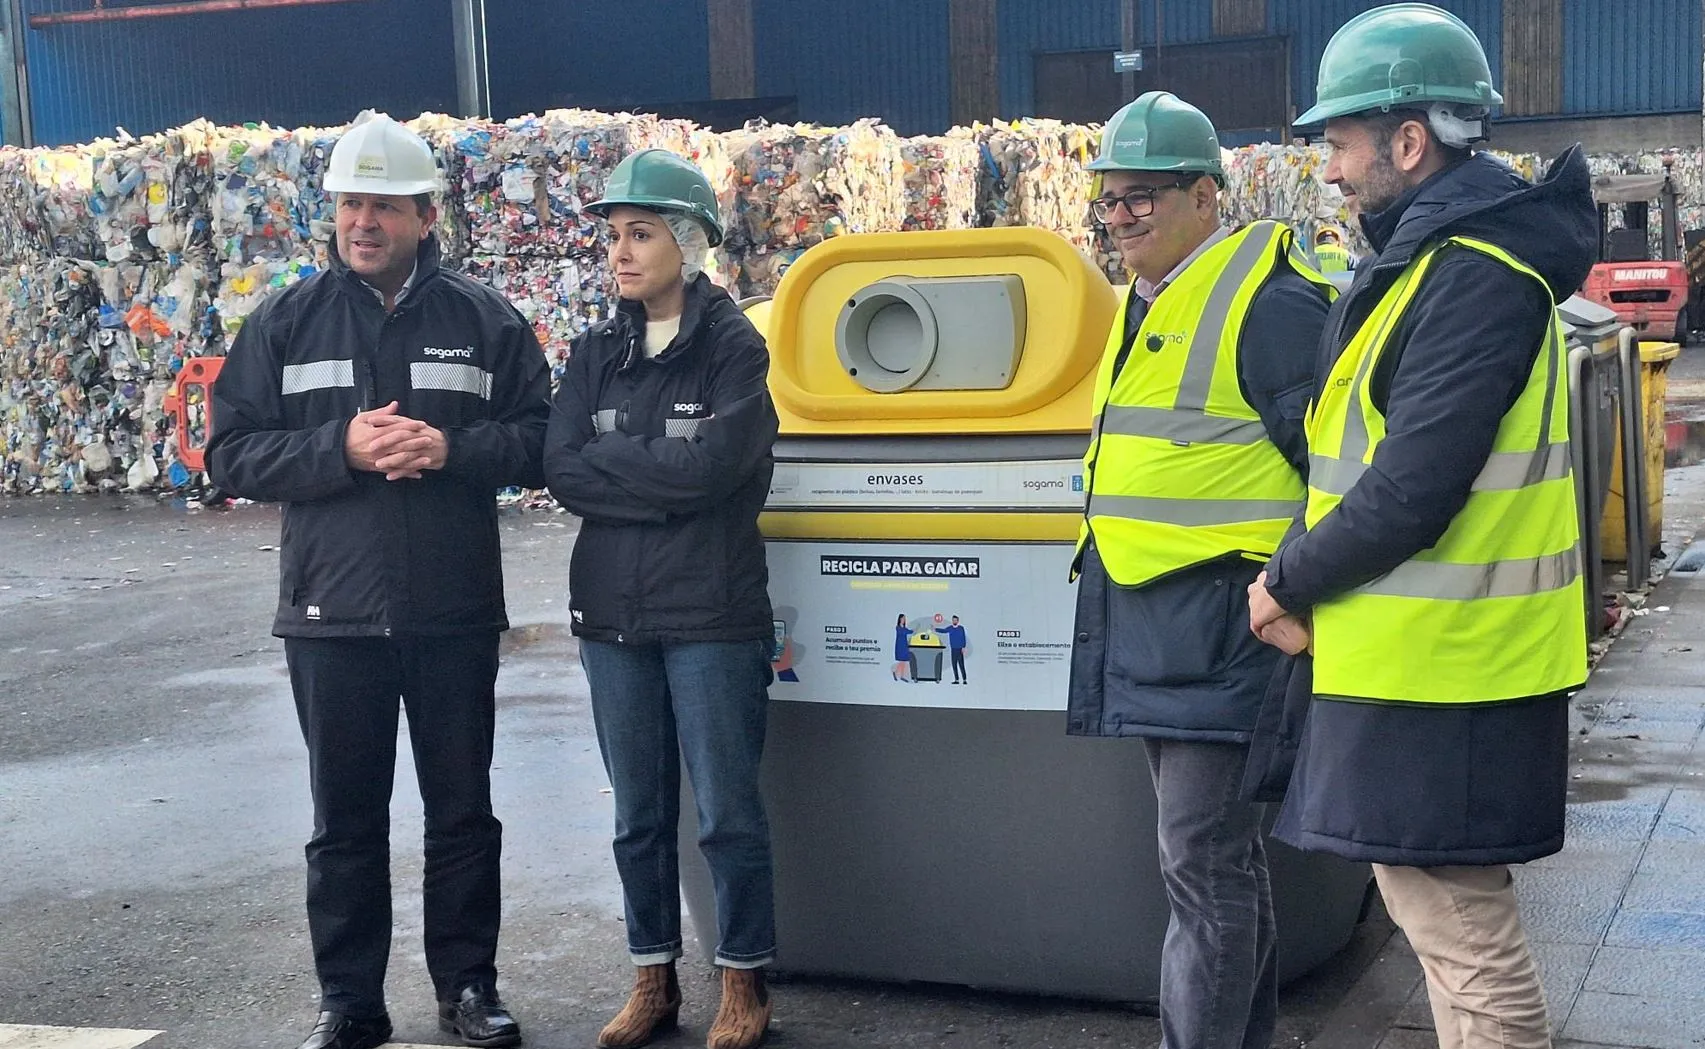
(22, 1036)
(25, 1036)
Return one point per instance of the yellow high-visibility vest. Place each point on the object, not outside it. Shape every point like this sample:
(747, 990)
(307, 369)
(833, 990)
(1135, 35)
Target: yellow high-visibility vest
(1332, 258)
(1180, 470)
(1493, 610)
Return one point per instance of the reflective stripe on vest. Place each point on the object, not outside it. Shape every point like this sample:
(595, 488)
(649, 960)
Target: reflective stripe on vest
(1492, 611)
(1504, 471)
(1180, 469)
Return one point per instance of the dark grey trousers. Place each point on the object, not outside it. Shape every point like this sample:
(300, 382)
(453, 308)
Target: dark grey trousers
(1219, 985)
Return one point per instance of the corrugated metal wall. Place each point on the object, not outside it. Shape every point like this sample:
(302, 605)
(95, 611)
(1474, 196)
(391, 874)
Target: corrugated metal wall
(314, 65)
(883, 58)
(1181, 21)
(843, 60)
(1311, 23)
(547, 54)
(1631, 56)
(1029, 26)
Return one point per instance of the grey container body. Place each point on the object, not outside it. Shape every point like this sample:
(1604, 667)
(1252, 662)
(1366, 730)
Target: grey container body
(984, 849)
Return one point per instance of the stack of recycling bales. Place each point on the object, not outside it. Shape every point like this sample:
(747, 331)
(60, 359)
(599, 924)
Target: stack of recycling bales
(940, 181)
(521, 191)
(120, 258)
(797, 185)
(271, 223)
(107, 286)
(1032, 174)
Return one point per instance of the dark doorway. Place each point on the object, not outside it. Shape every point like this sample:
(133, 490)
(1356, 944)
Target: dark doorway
(1080, 86)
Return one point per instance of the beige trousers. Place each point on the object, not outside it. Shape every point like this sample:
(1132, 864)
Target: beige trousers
(1464, 927)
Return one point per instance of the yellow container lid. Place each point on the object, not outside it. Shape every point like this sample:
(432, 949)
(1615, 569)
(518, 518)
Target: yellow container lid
(1069, 307)
(1652, 352)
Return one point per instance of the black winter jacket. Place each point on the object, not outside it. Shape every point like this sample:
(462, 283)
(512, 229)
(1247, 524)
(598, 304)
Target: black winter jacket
(1434, 785)
(363, 556)
(667, 461)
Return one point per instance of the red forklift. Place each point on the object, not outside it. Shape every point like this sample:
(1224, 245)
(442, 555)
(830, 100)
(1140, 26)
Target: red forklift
(1650, 295)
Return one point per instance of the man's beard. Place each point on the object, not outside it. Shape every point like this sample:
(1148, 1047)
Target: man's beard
(1382, 185)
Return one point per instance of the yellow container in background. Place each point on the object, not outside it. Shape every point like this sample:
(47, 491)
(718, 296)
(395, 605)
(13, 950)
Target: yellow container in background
(1655, 358)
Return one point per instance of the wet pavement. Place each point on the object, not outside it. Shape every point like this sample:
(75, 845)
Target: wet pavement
(153, 808)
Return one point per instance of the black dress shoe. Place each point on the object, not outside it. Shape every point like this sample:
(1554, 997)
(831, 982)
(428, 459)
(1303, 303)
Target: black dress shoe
(477, 1016)
(337, 1031)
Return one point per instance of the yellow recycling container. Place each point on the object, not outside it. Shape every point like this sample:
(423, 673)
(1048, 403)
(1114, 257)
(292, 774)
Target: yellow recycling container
(935, 393)
(1655, 358)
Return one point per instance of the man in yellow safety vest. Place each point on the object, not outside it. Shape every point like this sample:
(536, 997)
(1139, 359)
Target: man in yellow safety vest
(1438, 562)
(1195, 469)
(1330, 255)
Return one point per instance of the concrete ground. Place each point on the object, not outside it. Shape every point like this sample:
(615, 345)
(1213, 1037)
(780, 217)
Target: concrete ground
(153, 807)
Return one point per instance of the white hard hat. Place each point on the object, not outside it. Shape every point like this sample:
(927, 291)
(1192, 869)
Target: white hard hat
(379, 155)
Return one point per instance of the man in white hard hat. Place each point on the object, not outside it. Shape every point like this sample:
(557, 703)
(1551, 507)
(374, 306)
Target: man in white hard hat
(383, 402)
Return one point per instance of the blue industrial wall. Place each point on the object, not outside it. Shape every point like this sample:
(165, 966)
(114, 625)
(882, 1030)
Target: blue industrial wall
(1028, 26)
(1031, 26)
(1631, 56)
(313, 65)
(885, 58)
(843, 59)
(598, 54)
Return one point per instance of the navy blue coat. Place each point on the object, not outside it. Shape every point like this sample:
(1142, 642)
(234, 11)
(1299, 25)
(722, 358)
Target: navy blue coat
(1424, 785)
(362, 556)
(667, 462)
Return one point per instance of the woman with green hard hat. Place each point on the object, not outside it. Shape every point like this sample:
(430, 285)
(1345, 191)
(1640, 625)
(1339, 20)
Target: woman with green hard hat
(659, 439)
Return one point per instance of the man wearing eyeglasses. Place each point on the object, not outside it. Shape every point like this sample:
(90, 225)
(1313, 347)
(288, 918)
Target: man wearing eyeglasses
(1195, 468)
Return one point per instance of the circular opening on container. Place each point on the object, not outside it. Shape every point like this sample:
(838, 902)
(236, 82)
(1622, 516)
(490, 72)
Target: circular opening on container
(895, 337)
(886, 337)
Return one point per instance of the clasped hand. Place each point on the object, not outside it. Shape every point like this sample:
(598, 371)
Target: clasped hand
(384, 441)
(1272, 624)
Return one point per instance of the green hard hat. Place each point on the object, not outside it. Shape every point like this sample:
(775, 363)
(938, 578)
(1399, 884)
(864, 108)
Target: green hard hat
(658, 180)
(1397, 56)
(1160, 132)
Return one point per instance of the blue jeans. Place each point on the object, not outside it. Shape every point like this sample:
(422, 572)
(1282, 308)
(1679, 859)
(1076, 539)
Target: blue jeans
(654, 705)
(1219, 986)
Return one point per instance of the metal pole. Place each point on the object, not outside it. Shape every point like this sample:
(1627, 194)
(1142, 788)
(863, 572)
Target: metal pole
(1128, 42)
(14, 77)
(473, 73)
(1668, 217)
(1583, 448)
(1636, 515)
(1157, 31)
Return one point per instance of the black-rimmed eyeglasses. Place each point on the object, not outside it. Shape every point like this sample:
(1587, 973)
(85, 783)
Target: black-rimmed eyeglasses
(1139, 202)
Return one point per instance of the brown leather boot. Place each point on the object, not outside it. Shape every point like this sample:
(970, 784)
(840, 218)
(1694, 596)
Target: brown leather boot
(652, 1009)
(744, 1016)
